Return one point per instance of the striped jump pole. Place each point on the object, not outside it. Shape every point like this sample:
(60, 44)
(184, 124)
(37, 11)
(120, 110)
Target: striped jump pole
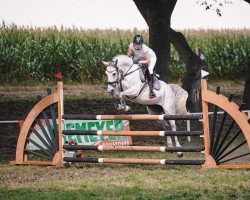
(134, 161)
(133, 148)
(133, 133)
(133, 117)
(10, 122)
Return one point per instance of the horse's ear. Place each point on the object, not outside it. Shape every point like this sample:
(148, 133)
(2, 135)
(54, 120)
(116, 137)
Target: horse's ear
(116, 61)
(105, 63)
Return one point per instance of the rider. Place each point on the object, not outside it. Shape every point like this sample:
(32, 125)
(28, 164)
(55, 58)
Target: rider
(143, 55)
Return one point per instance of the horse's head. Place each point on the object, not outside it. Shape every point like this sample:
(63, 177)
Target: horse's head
(115, 73)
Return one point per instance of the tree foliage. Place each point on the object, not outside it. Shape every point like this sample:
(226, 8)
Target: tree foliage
(216, 5)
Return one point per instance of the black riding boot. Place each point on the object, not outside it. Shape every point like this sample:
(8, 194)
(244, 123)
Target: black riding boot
(151, 88)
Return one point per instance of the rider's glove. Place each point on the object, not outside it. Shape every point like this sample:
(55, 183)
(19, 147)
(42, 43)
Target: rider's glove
(135, 61)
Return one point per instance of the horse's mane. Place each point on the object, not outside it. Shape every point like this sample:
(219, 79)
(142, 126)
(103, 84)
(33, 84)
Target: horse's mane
(123, 60)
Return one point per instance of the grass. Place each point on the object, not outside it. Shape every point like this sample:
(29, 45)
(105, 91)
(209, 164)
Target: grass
(122, 182)
(116, 181)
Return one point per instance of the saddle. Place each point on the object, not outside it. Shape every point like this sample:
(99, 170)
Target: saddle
(145, 77)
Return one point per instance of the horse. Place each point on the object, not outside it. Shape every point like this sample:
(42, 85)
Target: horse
(124, 82)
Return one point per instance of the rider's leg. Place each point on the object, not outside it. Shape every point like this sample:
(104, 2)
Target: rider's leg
(151, 82)
(151, 87)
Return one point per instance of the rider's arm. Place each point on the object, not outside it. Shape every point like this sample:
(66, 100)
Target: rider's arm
(130, 52)
(147, 59)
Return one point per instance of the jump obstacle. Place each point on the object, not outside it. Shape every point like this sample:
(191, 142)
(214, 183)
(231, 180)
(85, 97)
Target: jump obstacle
(218, 149)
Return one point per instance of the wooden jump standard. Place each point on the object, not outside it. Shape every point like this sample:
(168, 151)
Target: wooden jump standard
(216, 149)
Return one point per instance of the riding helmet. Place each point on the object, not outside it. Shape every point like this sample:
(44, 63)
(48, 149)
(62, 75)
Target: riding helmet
(138, 39)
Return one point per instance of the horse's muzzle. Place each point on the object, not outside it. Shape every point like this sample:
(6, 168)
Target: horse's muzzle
(111, 92)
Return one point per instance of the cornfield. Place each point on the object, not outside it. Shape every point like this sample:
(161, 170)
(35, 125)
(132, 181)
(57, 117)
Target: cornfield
(34, 54)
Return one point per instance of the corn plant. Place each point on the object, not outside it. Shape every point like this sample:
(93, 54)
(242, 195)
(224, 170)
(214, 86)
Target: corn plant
(36, 54)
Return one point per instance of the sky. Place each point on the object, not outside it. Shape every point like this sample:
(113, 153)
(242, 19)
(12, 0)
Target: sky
(122, 14)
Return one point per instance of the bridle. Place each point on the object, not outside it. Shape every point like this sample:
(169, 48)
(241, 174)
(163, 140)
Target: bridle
(118, 72)
(121, 75)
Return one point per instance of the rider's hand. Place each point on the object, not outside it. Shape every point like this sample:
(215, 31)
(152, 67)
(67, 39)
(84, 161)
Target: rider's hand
(135, 61)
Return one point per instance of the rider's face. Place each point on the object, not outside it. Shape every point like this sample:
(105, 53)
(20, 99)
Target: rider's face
(137, 46)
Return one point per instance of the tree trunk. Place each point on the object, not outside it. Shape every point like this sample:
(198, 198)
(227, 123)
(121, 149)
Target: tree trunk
(159, 40)
(157, 15)
(246, 96)
(191, 80)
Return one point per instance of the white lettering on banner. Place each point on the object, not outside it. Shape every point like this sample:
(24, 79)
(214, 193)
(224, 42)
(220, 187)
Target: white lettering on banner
(118, 125)
(122, 143)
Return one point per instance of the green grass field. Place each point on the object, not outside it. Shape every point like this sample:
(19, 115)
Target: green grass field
(122, 182)
(117, 181)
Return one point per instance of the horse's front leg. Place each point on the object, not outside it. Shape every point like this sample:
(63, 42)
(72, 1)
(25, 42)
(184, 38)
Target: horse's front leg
(132, 91)
(123, 106)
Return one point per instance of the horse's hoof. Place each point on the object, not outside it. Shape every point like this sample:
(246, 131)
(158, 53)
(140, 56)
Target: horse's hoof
(180, 154)
(127, 108)
(67, 165)
(120, 107)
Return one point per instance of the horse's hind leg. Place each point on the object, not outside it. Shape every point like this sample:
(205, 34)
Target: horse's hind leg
(169, 139)
(157, 110)
(173, 128)
(168, 111)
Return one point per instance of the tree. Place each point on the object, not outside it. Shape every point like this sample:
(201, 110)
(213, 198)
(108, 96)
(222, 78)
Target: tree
(217, 5)
(157, 15)
(246, 95)
(191, 80)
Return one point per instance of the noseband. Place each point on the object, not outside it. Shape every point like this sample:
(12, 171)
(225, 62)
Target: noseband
(118, 80)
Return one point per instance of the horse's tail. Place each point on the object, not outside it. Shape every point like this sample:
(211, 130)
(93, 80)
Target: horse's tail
(181, 98)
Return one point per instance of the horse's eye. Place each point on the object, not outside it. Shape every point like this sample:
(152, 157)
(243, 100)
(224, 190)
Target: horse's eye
(114, 74)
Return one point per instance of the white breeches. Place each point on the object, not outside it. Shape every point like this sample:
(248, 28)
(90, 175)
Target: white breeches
(151, 65)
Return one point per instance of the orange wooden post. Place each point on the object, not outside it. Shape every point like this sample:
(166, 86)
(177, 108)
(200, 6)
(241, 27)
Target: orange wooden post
(58, 158)
(209, 163)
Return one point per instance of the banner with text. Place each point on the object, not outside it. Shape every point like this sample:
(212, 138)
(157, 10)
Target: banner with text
(109, 125)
